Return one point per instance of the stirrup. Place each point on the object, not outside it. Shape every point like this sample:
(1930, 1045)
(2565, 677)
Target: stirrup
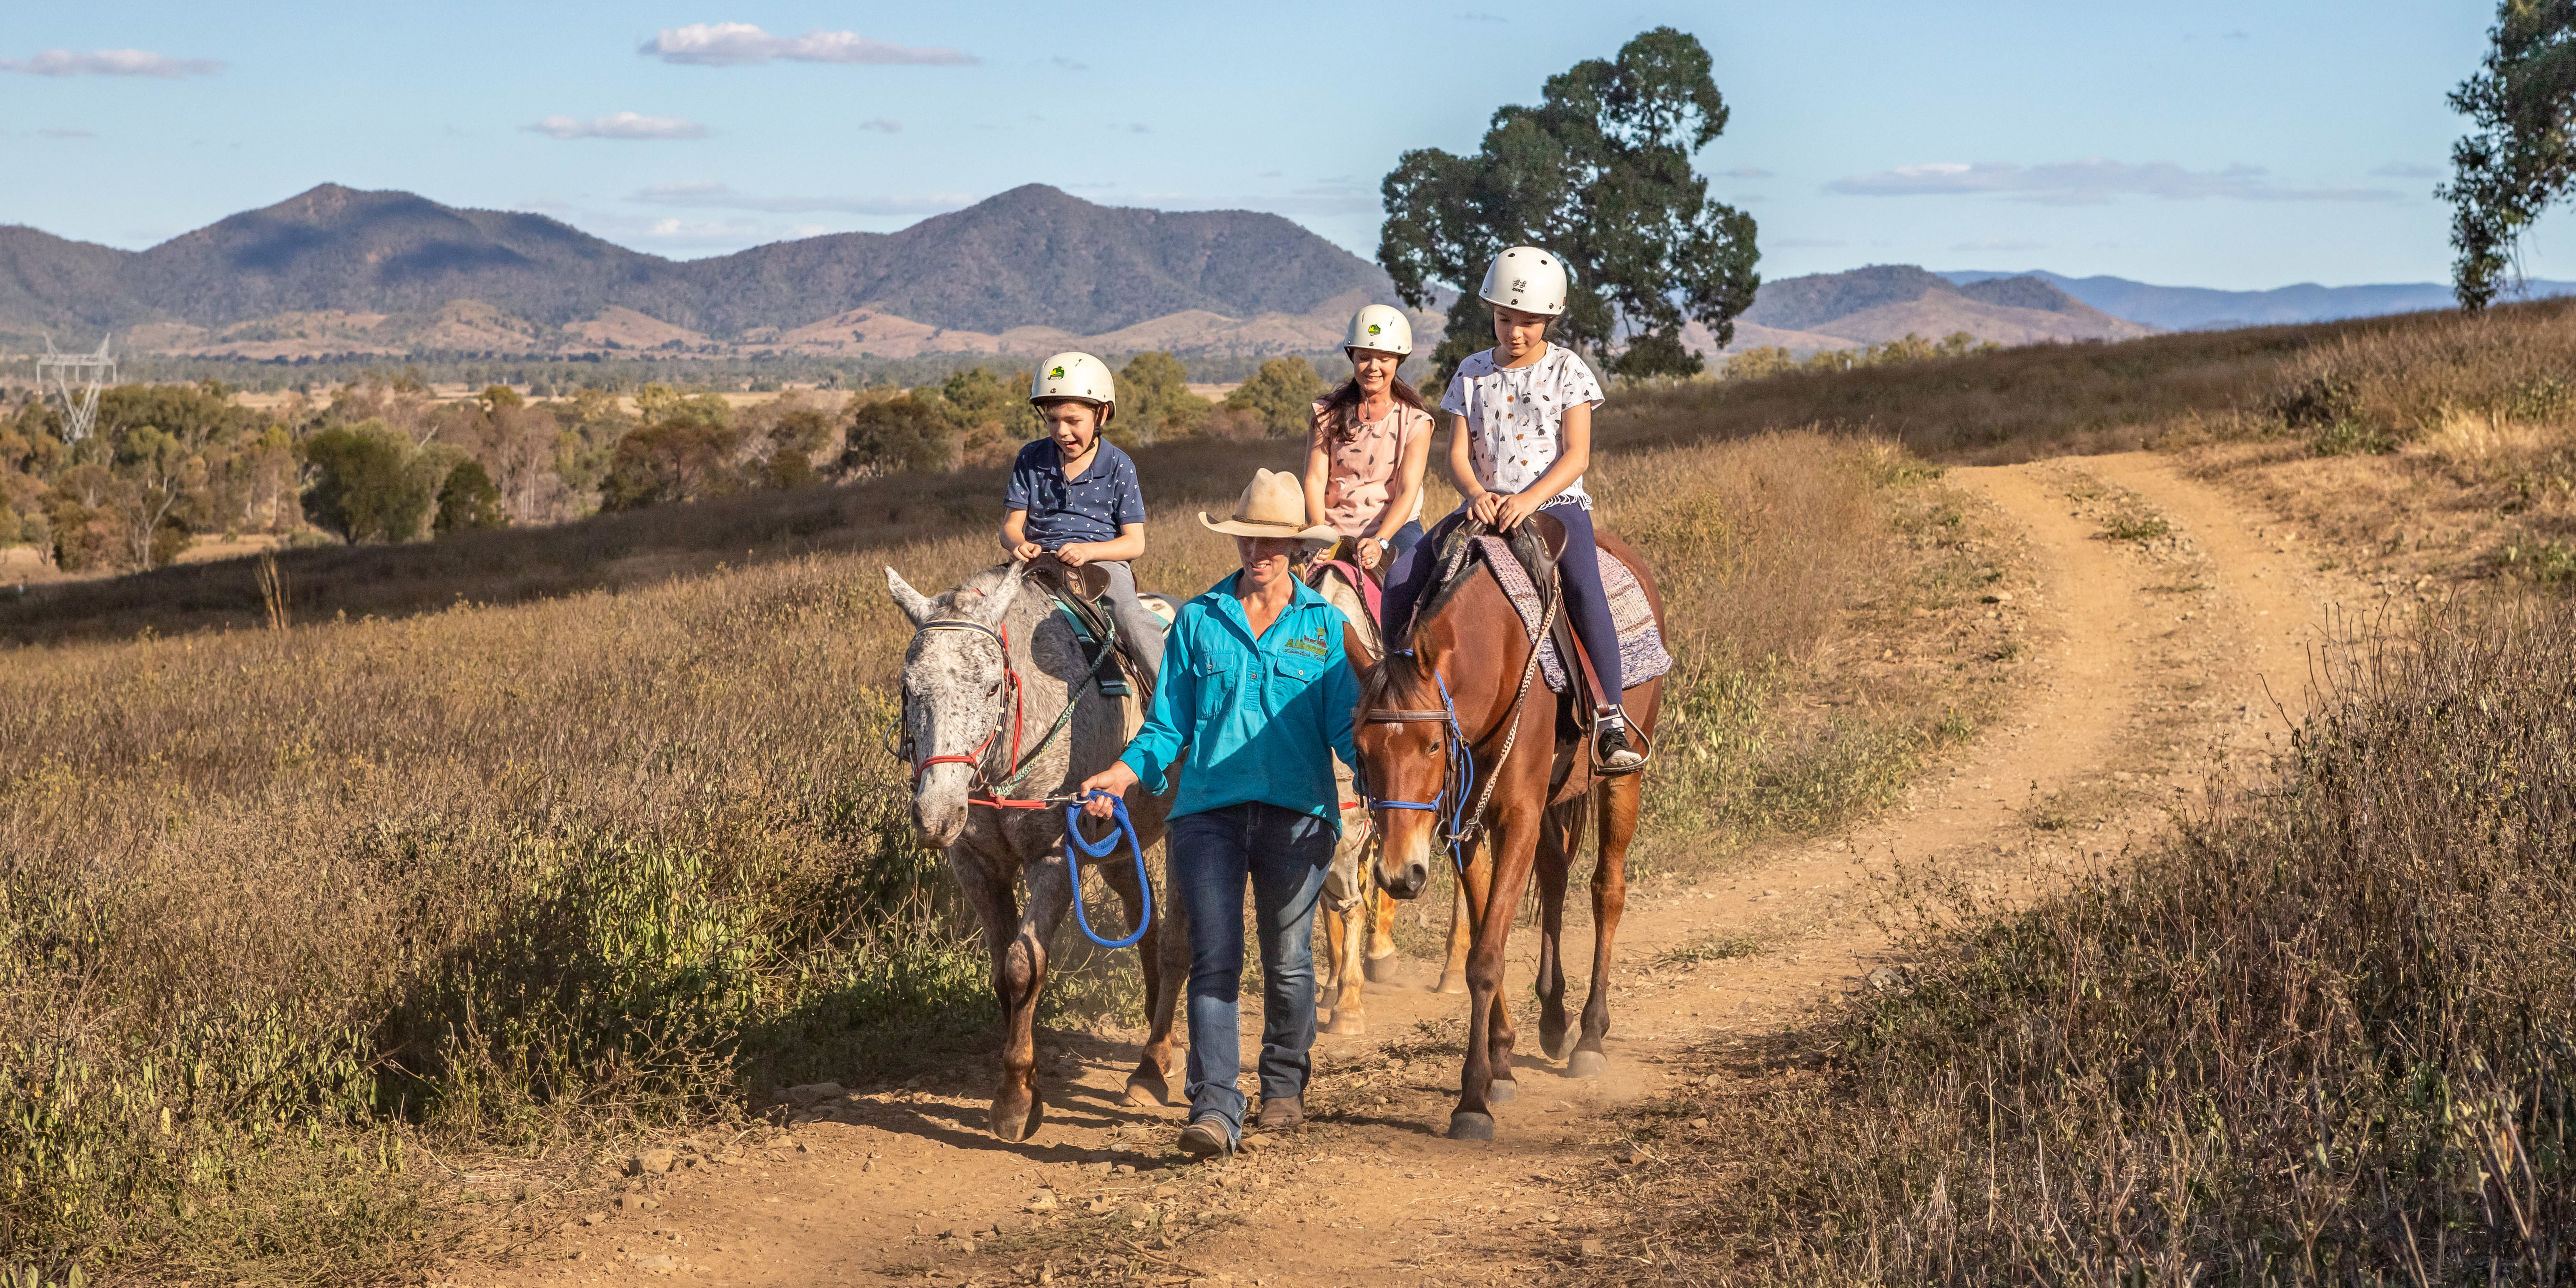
(1615, 720)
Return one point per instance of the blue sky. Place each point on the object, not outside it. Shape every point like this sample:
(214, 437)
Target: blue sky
(2237, 145)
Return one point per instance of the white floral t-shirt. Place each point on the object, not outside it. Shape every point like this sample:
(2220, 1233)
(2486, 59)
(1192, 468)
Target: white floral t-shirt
(1514, 416)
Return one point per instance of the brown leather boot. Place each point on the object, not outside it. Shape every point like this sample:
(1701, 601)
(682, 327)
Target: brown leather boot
(1281, 1113)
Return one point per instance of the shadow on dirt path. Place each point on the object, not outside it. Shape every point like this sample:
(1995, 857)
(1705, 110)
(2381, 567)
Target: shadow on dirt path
(2167, 637)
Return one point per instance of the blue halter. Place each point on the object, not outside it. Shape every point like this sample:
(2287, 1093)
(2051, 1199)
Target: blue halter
(1459, 831)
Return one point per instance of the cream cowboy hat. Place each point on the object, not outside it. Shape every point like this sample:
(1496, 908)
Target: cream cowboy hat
(1274, 506)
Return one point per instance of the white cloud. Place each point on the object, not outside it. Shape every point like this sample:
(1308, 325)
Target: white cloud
(621, 125)
(732, 44)
(111, 62)
(1472, 16)
(708, 194)
(1748, 172)
(1804, 243)
(883, 125)
(2090, 182)
(2408, 170)
(1069, 65)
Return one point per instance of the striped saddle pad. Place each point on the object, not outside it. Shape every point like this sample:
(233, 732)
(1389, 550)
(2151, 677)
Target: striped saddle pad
(1641, 641)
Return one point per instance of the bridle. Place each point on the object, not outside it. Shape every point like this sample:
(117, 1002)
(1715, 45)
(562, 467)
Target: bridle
(1463, 825)
(1012, 713)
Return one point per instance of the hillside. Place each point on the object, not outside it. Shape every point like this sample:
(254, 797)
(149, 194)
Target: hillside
(247, 285)
(2189, 308)
(1886, 302)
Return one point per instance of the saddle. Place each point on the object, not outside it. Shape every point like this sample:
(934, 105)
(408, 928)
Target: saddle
(1081, 597)
(1534, 547)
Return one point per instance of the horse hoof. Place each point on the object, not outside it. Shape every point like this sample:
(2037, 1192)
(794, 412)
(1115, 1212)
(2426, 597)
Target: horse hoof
(1552, 1043)
(1465, 1125)
(1453, 984)
(1502, 1091)
(1587, 1064)
(1148, 1090)
(1347, 1023)
(1017, 1125)
(1382, 970)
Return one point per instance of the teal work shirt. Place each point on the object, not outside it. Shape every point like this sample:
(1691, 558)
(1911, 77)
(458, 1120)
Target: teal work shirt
(1260, 717)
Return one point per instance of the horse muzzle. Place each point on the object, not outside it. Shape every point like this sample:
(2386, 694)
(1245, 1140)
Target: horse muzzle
(1404, 865)
(939, 807)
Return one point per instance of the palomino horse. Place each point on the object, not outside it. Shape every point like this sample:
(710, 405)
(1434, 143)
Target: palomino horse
(1462, 695)
(1003, 720)
(1359, 918)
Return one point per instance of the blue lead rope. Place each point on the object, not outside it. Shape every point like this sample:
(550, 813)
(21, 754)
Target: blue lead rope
(1108, 846)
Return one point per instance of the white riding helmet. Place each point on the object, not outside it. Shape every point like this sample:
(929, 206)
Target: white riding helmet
(1382, 328)
(1075, 375)
(1526, 278)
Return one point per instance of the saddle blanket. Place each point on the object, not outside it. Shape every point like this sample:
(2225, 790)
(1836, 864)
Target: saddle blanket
(1641, 642)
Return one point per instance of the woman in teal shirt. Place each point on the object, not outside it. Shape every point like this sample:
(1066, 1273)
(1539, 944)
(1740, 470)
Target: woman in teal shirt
(1256, 688)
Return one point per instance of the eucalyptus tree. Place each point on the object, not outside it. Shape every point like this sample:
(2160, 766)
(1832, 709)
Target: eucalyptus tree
(2519, 158)
(1600, 173)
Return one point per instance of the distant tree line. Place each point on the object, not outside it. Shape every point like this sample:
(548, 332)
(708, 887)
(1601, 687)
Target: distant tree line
(383, 460)
(1771, 360)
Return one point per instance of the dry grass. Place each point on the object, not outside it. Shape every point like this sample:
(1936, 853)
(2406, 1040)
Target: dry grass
(284, 911)
(2320, 1035)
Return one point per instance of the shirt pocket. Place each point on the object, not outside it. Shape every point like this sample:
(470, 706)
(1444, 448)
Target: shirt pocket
(1289, 678)
(1220, 683)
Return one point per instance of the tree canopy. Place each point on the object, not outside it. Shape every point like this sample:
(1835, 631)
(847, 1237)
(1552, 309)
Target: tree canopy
(1600, 174)
(2520, 155)
(1283, 394)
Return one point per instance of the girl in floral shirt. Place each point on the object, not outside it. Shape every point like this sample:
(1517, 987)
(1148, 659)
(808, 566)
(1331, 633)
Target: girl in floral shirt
(1520, 437)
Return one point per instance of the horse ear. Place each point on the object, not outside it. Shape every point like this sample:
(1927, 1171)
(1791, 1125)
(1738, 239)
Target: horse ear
(997, 601)
(913, 603)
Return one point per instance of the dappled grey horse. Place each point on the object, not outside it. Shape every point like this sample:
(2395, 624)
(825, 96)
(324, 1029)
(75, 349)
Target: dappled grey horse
(991, 668)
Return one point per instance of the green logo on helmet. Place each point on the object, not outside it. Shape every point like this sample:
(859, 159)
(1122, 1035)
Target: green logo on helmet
(1372, 328)
(1057, 374)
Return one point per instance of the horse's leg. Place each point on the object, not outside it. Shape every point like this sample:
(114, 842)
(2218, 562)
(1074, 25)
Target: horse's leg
(1463, 902)
(988, 888)
(1486, 1080)
(1328, 971)
(1146, 1086)
(1618, 806)
(1017, 1108)
(1380, 910)
(1146, 1089)
(1559, 835)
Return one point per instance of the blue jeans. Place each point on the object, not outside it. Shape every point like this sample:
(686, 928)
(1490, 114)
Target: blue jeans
(1284, 854)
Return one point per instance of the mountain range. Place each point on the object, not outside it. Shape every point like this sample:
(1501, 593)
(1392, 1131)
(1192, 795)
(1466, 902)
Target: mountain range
(1886, 302)
(2200, 308)
(1033, 270)
(340, 270)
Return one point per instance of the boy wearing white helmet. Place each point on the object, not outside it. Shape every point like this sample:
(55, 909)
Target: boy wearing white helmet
(1520, 439)
(1370, 442)
(1075, 497)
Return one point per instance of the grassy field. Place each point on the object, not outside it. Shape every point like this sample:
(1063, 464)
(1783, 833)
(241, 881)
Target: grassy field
(2319, 1035)
(521, 845)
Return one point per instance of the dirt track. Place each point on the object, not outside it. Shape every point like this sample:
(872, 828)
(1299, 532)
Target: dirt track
(2145, 663)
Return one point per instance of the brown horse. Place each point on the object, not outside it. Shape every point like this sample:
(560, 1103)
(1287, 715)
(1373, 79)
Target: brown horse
(1469, 678)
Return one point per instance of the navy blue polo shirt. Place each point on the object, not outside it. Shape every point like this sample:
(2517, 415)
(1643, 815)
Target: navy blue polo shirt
(1090, 508)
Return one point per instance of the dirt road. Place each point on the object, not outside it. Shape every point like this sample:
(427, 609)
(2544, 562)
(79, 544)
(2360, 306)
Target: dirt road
(2146, 660)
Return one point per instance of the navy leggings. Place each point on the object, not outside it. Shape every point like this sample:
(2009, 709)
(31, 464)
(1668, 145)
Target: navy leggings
(1578, 570)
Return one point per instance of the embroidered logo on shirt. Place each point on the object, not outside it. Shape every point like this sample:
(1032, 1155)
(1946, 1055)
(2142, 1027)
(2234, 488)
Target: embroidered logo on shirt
(1313, 645)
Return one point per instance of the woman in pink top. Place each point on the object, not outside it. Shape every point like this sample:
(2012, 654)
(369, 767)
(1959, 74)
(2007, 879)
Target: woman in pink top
(1370, 443)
